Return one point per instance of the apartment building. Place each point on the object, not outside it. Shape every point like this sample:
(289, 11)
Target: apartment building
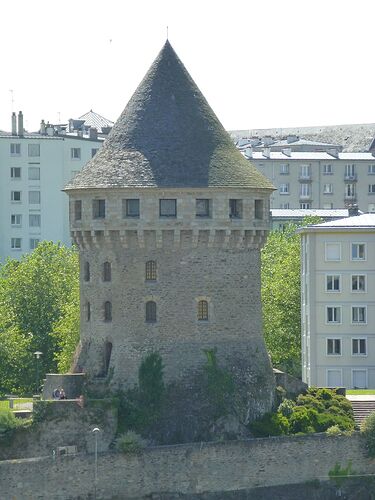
(33, 170)
(318, 180)
(338, 303)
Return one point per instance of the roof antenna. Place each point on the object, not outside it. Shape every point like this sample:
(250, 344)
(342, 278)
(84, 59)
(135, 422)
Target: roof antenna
(167, 32)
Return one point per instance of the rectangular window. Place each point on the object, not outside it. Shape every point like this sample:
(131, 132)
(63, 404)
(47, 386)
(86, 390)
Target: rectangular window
(33, 150)
(304, 206)
(93, 152)
(34, 197)
(349, 171)
(358, 283)
(34, 220)
(328, 189)
(16, 220)
(168, 208)
(333, 251)
(15, 195)
(15, 172)
(350, 190)
(284, 169)
(98, 209)
(202, 207)
(371, 189)
(333, 283)
(327, 169)
(77, 209)
(305, 190)
(359, 314)
(15, 243)
(284, 206)
(359, 347)
(34, 174)
(75, 153)
(371, 169)
(305, 171)
(235, 209)
(258, 209)
(358, 251)
(284, 188)
(334, 347)
(15, 149)
(333, 314)
(130, 208)
(34, 242)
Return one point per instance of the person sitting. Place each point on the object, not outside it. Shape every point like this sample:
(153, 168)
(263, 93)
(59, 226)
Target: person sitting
(62, 394)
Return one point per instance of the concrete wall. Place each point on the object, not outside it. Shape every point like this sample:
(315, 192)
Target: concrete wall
(184, 469)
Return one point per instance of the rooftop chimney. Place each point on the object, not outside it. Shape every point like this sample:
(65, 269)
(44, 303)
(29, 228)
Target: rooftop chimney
(14, 123)
(42, 128)
(292, 138)
(266, 152)
(93, 133)
(20, 124)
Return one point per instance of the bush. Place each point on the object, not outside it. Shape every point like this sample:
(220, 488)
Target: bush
(271, 424)
(286, 407)
(130, 442)
(368, 431)
(7, 421)
(334, 430)
(303, 419)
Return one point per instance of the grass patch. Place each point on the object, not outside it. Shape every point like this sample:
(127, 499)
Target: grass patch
(4, 405)
(360, 392)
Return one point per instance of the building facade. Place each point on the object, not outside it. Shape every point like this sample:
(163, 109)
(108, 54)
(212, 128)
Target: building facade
(34, 168)
(169, 219)
(318, 180)
(338, 303)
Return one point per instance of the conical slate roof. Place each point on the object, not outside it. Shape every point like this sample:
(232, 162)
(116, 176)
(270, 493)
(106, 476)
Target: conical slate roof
(168, 136)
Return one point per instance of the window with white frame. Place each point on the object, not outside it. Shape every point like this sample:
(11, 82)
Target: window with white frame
(349, 170)
(328, 189)
(333, 347)
(358, 251)
(333, 314)
(75, 153)
(15, 196)
(284, 169)
(34, 197)
(327, 169)
(358, 282)
(305, 190)
(15, 149)
(359, 315)
(16, 243)
(332, 251)
(284, 188)
(359, 347)
(15, 172)
(34, 220)
(16, 220)
(371, 169)
(305, 171)
(350, 190)
(34, 242)
(371, 189)
(34, 173)
(333, 282)
(304, 206)
(33, 150)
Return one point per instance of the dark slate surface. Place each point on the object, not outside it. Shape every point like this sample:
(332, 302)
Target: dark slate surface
(168, 136)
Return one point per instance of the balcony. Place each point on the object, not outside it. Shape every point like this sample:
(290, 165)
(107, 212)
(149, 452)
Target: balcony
(305, 197)
(350, 178)
(350, 196)
(305, 178)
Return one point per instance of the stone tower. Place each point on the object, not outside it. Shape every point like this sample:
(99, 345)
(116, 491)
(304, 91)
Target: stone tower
(170, 219)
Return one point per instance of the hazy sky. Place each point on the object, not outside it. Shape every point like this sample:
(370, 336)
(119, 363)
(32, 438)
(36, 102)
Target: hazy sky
(264, 63)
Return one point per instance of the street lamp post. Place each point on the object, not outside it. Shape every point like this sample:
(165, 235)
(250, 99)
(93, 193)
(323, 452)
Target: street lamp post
(96, 432)
(37, 355)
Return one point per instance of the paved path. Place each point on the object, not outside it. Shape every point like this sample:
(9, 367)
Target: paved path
(361, 397)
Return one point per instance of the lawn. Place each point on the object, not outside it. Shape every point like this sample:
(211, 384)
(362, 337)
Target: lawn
(360, 392)
(4, 405)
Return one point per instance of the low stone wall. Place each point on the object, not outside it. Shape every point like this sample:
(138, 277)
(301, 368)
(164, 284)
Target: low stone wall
(196, 470)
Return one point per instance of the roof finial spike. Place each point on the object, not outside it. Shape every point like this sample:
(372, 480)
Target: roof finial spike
(167, 32)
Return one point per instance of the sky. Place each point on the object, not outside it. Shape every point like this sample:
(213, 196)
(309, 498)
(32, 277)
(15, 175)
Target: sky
(260, 64)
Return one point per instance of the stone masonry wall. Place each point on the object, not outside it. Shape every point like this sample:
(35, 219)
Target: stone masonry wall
(176, 471)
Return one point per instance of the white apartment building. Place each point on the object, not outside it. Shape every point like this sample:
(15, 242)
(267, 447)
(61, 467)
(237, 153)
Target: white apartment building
(338, 303)
(34, 168)
(308, 180)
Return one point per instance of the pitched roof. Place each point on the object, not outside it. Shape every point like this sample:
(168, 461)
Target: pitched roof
(358, 222)
(168, 136)
(93, 119)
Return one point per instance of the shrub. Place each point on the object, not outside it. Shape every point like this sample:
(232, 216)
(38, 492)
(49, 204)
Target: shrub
(334, 430)
(368, 431)
(130, 442)
(303, 419)
(271, 424)
(7, 421)
(286, 407)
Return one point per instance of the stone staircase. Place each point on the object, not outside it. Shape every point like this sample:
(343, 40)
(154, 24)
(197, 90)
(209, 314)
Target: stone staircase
(362, 409)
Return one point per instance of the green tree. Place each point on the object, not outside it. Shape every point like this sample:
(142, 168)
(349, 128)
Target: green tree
(281, 297)
(35, 293)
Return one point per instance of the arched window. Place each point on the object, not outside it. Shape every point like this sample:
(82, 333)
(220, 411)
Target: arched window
(151, 270)
(151, 311)
(107, 271)
(88, 311)
(86, 271)
(203, 310)
(107, 311)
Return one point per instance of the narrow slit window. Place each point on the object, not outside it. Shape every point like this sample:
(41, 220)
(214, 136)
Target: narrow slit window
(107, 271)
(86, 271)
(151, 311)
(107, 311)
